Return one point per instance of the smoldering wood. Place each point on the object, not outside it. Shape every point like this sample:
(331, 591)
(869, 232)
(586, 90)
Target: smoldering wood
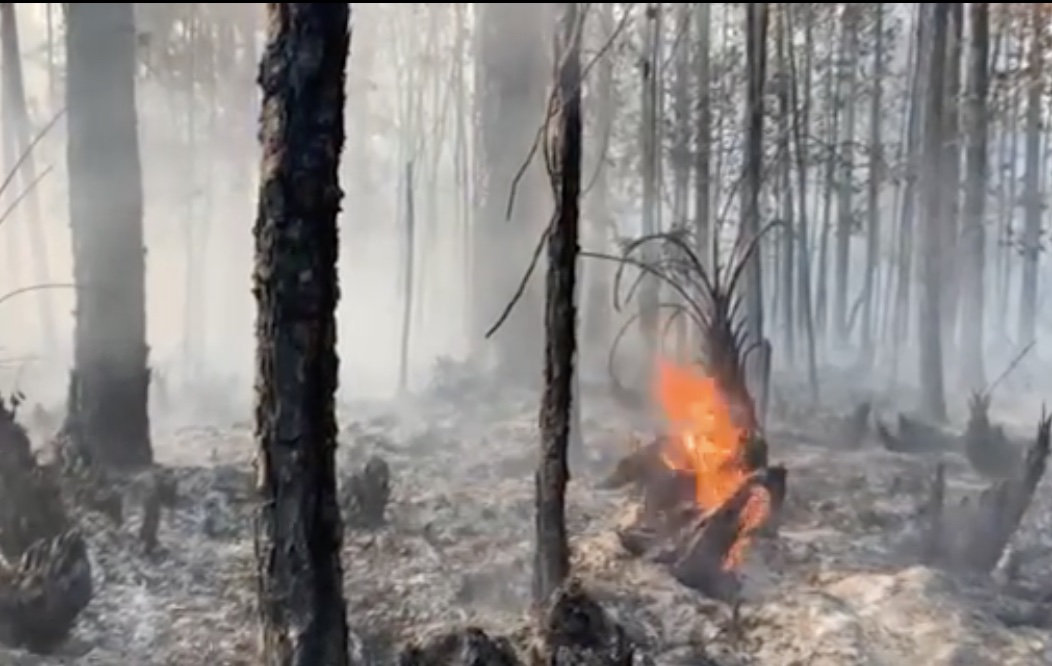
(367, 493)
(30, 500)
(576, 631)
(695, 544)
(470, 646)
(42, 595)
(987, 447)
(84, 483)
(161, 495)
(41, 598)
(855, 427)
(973, 534)
(915, 436)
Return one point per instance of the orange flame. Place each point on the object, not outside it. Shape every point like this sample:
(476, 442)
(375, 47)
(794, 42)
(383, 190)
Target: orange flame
(705, 441)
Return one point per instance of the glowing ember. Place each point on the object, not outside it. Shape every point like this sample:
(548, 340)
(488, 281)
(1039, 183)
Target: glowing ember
(705, 441)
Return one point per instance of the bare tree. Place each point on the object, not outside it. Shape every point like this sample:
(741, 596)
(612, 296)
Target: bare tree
(552, 562)
(299, 533)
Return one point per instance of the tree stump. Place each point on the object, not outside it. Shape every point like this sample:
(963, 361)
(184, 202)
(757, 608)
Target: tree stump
(42, 597)
(367, 493)
(576, 631)
(973, 535)
(469, 646)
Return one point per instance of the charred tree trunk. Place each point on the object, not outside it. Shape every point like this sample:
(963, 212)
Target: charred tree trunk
(298, 533)
(975, 197)
(552, 564)
(109, 386)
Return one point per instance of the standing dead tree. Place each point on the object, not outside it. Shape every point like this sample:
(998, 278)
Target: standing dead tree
(552, 563)
(298, 534)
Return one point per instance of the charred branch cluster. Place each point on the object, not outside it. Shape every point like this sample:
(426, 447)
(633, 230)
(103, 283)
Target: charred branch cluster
(45, 578)
(574, 630)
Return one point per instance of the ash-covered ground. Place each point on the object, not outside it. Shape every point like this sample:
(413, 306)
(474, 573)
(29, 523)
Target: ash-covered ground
(839, 585)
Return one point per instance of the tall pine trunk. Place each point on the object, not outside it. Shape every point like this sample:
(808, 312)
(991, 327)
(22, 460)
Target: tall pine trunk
(298, 531)
(109, 385)
(1032, 204)
(933, 400)
(973, 282)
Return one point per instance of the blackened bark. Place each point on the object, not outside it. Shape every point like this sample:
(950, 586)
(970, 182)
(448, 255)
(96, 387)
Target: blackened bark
(552, 563)
(298, 531)
(108, 413)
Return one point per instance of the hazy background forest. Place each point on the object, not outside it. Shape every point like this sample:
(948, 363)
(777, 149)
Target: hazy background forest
(417, 91)
(853, 193)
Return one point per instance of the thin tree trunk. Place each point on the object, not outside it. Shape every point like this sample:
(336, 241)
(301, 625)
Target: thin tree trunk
(756, 62)
(552, 564)
(1032, 204)
(703, 154)
(876, 174)
(973, 316)
(409, 258)
(930, 329)
(801, 120)
(845, 181)
(16, 115)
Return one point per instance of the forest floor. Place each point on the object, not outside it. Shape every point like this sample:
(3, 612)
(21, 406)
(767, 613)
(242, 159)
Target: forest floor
(838, 586)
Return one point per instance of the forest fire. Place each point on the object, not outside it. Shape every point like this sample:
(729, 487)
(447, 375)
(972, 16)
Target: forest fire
(705, 442)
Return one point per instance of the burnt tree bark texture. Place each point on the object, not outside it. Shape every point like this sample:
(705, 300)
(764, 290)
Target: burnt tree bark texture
(552, 563)
(109, 386)
(298, 531)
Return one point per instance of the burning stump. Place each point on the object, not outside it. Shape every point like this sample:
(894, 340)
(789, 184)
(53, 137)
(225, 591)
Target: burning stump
(702, 547)
(707, 488)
